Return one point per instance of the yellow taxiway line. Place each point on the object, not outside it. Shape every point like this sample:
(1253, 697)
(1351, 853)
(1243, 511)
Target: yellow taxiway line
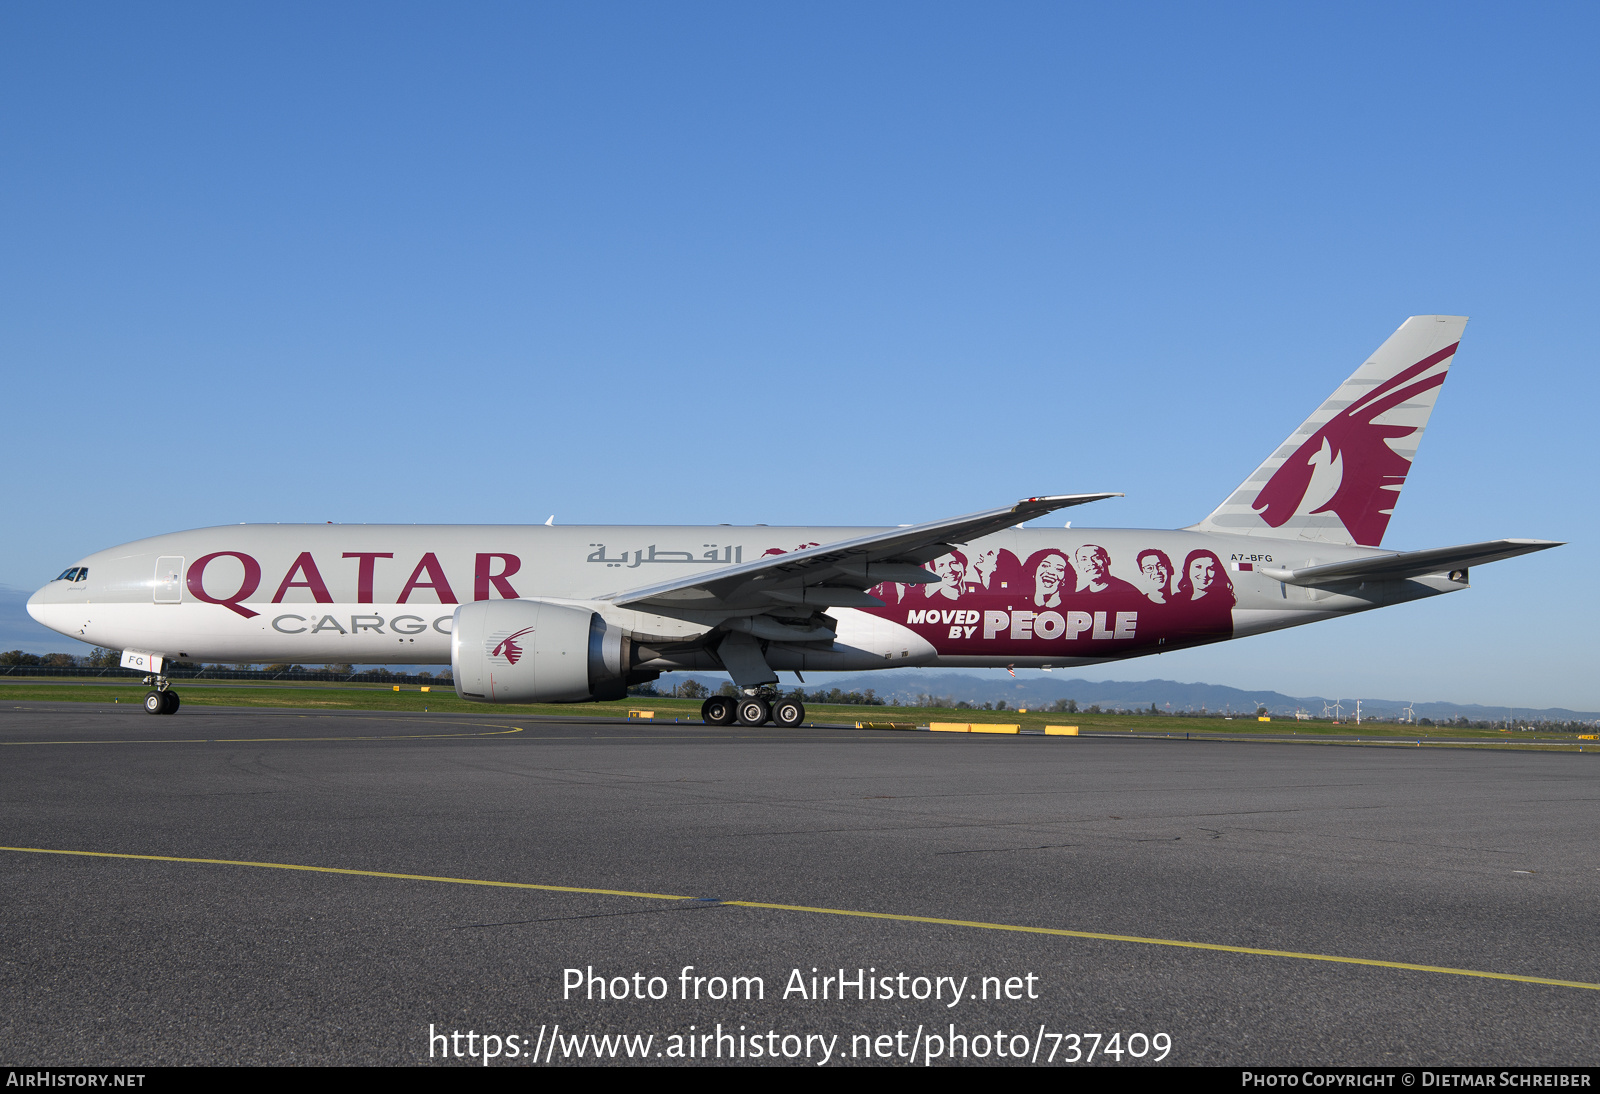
(1059, 932)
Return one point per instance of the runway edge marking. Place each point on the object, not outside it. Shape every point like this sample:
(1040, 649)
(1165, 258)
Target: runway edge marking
(1059, 932)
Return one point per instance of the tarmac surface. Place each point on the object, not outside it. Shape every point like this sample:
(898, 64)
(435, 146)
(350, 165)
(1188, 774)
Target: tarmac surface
(1415, 898)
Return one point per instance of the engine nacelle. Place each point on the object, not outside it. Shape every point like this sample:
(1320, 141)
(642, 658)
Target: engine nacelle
(537, 651)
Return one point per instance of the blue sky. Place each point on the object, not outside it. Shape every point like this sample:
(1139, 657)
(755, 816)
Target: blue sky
(859, 264)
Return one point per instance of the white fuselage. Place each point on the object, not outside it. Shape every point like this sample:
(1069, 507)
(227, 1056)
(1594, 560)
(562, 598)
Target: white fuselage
(374, 594)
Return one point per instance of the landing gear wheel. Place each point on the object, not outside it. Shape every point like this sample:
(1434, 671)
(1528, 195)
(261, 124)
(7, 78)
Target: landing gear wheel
(752, 712)
(788, 713)
(172, 702)
(155, 702)
(717, 711)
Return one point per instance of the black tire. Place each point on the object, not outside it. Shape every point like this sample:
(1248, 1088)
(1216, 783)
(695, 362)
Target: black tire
(753, 712)
(155, 702)
(717, 711)
(788, 713)
(172, 702)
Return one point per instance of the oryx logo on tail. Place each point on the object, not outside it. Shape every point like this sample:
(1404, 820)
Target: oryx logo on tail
(1337, 478)
(1361, 473)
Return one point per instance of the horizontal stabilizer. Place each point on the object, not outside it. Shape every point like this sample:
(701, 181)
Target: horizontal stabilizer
(1398, 567)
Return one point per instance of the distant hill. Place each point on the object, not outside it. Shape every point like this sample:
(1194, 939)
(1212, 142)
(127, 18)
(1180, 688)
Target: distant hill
(907, 687)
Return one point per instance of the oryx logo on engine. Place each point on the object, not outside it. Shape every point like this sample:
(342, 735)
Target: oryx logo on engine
(506, 647)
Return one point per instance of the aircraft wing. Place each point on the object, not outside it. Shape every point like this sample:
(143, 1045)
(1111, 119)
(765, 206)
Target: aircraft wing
(837, 574)
(1397, 567)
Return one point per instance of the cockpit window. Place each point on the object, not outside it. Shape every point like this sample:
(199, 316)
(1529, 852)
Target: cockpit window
(83, 574)
(69, 575)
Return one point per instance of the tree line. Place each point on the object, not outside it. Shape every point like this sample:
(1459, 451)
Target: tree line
(96, 659)
(694, 689)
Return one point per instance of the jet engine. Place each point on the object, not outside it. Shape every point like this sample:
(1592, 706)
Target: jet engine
(538, 651)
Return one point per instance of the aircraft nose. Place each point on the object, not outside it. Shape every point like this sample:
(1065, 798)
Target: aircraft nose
(48, 608)
(36, 606)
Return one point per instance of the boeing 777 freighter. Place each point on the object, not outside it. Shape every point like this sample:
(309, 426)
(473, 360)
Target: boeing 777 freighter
(568, 614)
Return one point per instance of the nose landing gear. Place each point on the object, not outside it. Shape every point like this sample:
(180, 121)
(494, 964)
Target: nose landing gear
(160, 699)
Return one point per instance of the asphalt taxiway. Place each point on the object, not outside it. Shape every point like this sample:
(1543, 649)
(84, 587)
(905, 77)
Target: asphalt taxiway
(303, 887)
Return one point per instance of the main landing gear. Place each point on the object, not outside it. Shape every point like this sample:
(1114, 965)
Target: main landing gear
(717, 711)
(788, 713)
(752, 710)
(160, 699)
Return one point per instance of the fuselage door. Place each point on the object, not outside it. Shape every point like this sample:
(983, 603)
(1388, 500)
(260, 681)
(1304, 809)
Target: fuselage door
(169, 579)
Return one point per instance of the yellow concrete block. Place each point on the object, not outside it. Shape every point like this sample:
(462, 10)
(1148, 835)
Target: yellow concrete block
(1264, 718)
(397, 687)
(949, 727)
(977, 728)
(1060, 731)
(425, 687)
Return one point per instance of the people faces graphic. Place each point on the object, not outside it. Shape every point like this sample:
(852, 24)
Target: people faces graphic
(1093, 564)
(980, 568)
(1204, 576)
(1048, 576)
(1156, 569)
(1069, 600)
(1204, 602)
(951, 568)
